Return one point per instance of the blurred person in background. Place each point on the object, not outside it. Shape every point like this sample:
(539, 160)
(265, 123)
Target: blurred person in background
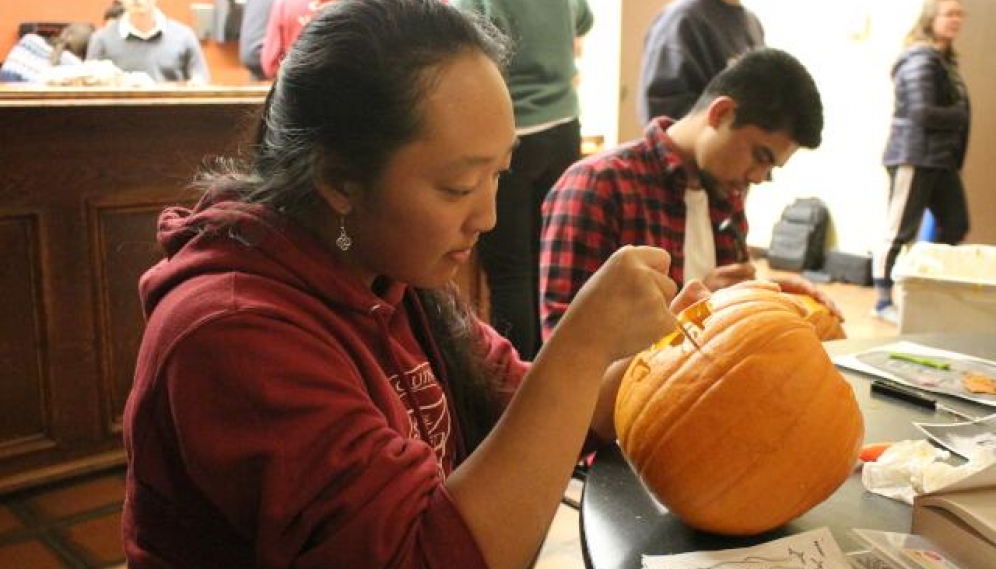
(73, 39)
(540, 78)
(688, 43)
(143, 39)
(927, 143)
(287, 19)
(255, 17)
(33, 55)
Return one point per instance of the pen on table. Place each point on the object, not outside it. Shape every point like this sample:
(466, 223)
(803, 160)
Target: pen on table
(896, 391)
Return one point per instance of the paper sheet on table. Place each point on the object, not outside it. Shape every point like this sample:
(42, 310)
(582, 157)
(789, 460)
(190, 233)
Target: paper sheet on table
(967, 438)
(961, 362)
(808, 550)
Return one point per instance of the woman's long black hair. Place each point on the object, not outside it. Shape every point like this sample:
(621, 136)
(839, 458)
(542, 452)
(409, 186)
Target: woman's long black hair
(347, 97)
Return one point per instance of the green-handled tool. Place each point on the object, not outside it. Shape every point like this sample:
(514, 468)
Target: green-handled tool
(921, 360)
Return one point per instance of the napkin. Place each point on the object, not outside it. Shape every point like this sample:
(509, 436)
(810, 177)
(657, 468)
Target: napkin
(909, 468)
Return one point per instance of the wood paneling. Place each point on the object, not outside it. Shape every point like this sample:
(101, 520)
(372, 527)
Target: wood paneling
(81, 183)
(84, 176)
(124, 247)
(24, 424)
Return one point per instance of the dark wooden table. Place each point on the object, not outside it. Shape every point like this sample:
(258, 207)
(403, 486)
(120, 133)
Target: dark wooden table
(620, 520)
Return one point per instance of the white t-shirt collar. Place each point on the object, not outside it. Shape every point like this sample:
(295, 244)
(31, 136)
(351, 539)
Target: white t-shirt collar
(125, 27)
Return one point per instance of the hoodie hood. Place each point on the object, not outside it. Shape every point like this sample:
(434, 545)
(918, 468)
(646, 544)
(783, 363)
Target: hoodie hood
(221, 235)
(282, 412)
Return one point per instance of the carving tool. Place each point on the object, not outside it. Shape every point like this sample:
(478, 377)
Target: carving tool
(739, 241)
(896, 391)
(683, 330)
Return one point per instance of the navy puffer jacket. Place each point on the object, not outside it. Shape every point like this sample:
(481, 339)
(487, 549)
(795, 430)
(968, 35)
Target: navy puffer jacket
(931, 119)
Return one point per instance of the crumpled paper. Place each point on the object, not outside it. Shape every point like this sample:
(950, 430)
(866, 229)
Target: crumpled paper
(910, 468)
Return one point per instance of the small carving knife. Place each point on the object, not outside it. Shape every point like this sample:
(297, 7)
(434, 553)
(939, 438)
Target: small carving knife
(683, 330)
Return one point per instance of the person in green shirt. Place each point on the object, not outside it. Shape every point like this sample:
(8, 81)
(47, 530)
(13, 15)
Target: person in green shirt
(540, 79)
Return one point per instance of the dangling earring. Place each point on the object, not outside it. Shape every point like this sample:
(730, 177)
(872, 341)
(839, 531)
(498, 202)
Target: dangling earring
(343, 241)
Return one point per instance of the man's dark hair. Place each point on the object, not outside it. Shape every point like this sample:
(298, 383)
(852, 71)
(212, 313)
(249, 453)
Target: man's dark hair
(774, 92)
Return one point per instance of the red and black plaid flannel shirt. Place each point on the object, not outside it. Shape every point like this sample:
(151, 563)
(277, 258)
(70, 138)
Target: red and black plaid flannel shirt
(631, 195)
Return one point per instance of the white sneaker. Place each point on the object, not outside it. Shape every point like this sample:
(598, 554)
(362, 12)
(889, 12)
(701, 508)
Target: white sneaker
(887, 313)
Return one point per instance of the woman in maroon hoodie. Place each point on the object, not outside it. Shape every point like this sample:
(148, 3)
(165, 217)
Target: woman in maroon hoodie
(309, 392)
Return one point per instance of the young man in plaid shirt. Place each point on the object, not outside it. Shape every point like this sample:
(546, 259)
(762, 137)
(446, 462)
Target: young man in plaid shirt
(682, 186)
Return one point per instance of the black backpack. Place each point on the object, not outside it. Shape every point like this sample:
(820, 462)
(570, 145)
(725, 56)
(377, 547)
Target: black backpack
(799, 239)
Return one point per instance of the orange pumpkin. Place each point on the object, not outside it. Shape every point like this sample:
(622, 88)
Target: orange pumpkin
(827, 324)
(748, 434)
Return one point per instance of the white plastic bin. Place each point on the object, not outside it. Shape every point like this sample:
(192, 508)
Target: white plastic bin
(944, 288)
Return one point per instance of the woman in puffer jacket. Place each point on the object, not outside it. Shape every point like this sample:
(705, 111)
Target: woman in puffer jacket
(927, 142)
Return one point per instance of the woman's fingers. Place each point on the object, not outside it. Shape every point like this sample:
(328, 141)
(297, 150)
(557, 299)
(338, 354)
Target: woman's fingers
(623, 308)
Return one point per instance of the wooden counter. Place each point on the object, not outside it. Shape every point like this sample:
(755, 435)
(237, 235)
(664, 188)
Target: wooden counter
(84, 174)
(28, 95)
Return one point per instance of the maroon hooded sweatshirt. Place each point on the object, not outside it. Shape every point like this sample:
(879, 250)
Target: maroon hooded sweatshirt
(283, 414)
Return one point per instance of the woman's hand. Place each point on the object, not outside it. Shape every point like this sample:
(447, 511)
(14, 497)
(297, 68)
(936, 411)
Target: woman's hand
(623, 307)
(519, 471)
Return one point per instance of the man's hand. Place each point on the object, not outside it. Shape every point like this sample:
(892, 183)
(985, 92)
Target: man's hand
(727, 275)
(799, 285)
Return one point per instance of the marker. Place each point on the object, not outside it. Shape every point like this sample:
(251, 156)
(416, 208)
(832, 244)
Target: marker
(896, 391)
(739, 241)
(921, 360)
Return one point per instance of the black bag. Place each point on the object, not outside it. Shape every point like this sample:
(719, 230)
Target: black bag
(849, 268)
(799, 239)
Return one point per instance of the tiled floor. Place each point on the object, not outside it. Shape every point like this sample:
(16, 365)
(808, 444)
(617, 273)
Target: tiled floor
(76, 524)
